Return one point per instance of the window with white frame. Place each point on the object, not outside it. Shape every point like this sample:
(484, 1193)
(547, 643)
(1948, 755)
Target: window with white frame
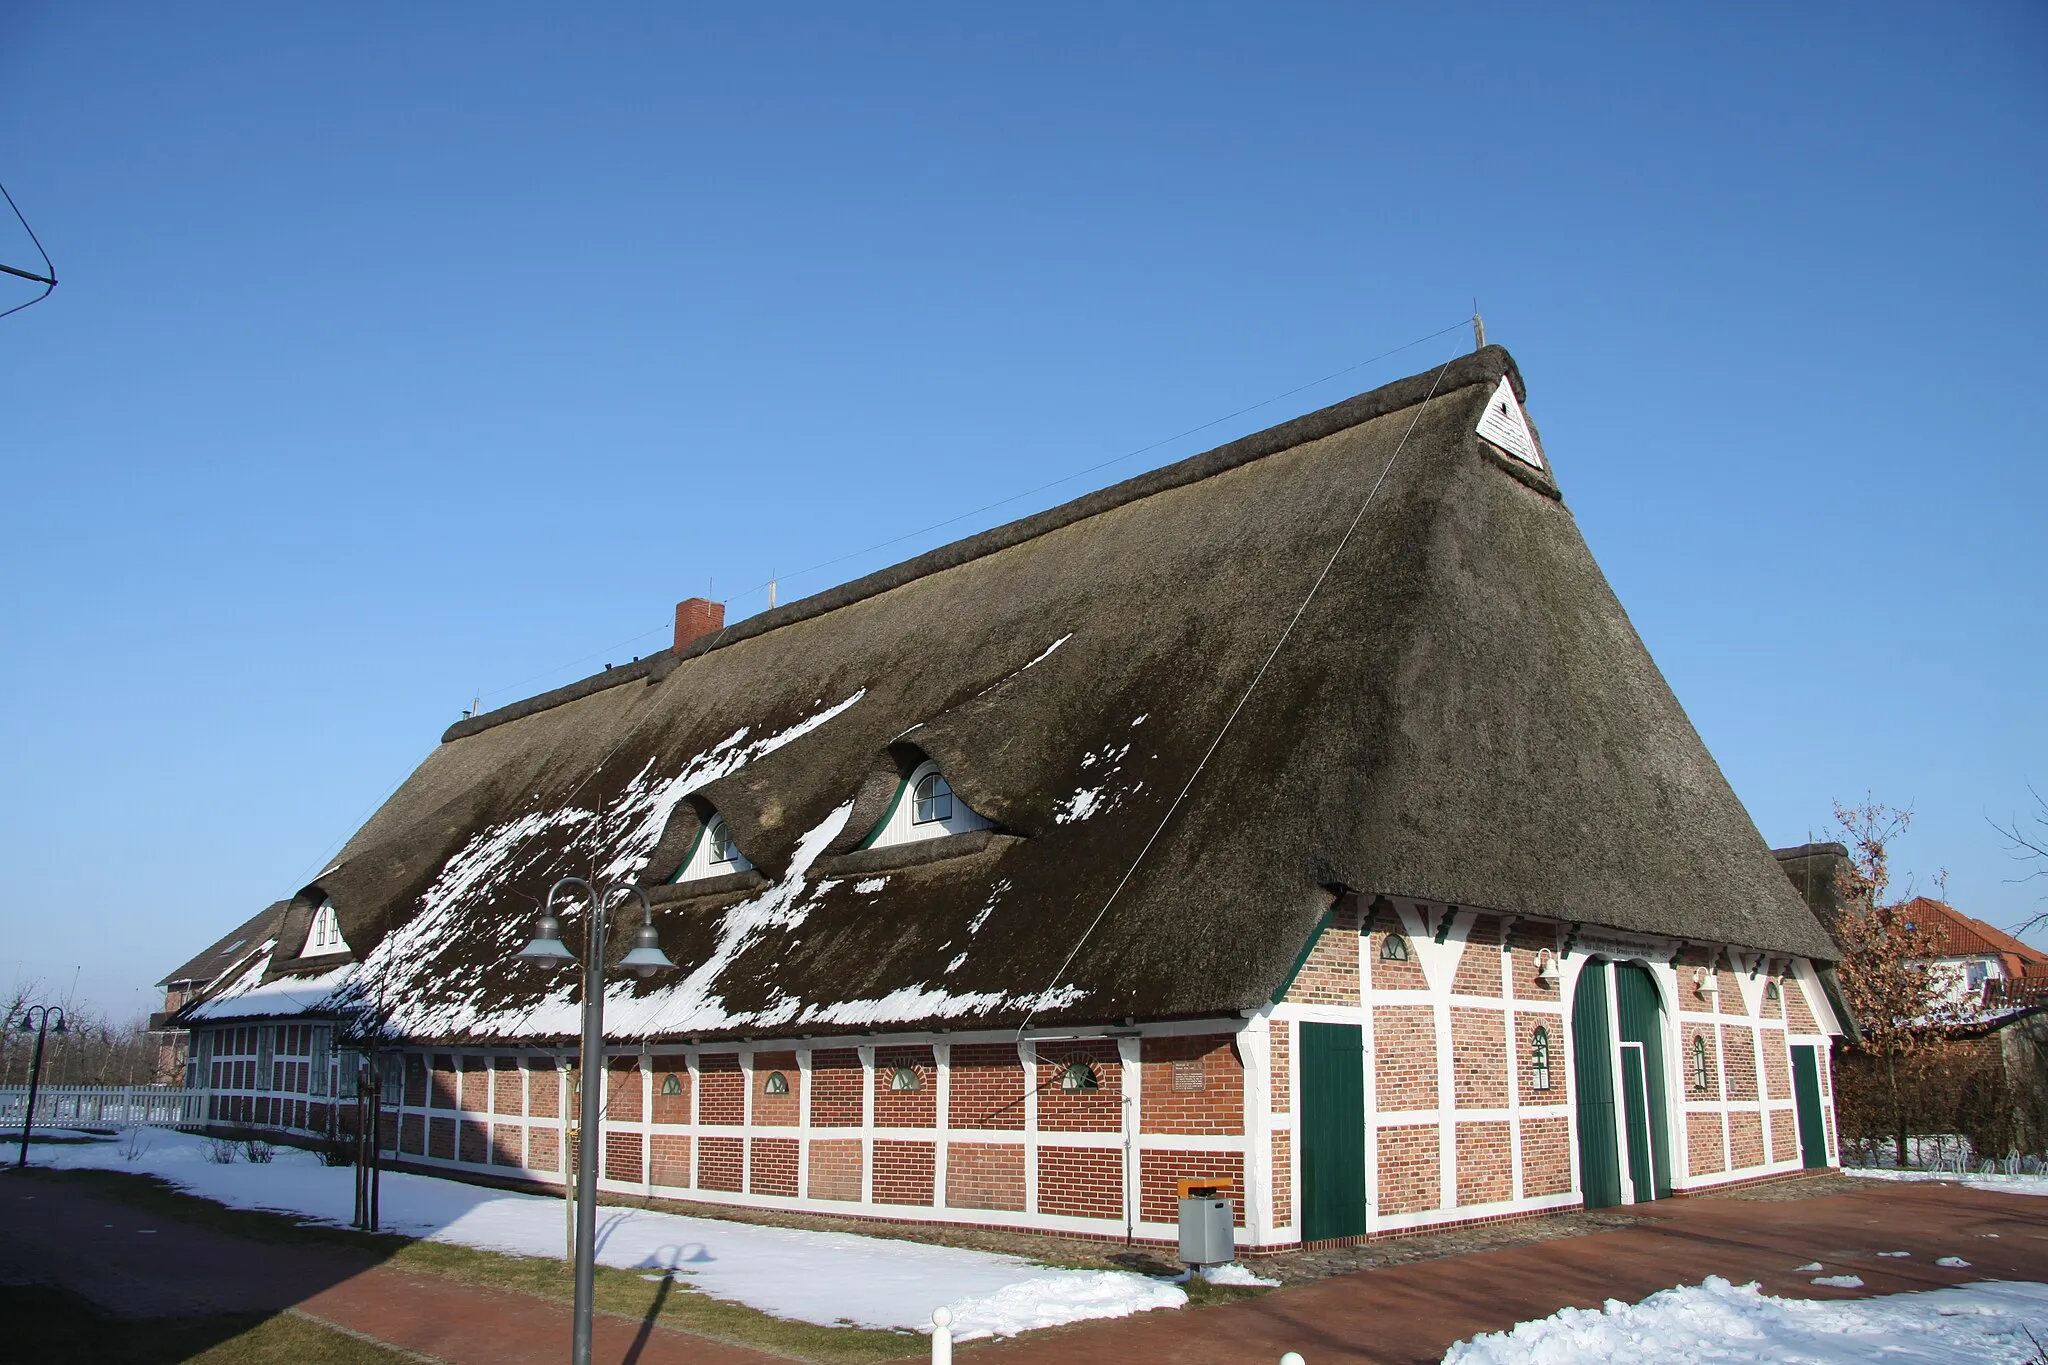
(325, 935)
(926, 807)
(715, 854)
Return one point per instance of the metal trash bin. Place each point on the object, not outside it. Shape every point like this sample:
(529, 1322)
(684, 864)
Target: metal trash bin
(1208, 1230)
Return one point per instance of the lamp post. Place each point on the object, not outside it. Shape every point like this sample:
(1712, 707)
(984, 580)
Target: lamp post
(36, 1019)
(645, 959)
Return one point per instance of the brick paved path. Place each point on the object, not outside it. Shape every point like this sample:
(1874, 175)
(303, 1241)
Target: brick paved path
(1411, 1314)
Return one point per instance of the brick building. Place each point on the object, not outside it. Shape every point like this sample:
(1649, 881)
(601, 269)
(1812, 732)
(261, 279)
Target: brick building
(1305, 815)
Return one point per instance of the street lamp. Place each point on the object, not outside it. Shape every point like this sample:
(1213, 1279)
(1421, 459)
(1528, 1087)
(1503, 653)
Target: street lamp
(36, 1019)
(645, 959)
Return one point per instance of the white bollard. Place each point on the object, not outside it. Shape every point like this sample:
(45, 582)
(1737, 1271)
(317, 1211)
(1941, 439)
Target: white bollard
(1292, 1358)
(942, 1336)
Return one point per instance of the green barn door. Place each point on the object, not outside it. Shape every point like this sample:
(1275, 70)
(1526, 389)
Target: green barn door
(1642, 1042)
(1332, 1131)
(1599, 1162)
(1813, 1135)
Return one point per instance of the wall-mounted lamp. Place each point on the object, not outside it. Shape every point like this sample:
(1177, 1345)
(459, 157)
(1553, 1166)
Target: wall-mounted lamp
(1546, 968)
(1705, 982)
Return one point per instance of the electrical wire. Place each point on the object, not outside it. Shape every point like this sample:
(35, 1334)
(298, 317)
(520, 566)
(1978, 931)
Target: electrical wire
(1272, 654)
(47, 280)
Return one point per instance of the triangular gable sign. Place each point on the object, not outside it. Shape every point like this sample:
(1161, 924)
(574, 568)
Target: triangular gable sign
(1505, 426)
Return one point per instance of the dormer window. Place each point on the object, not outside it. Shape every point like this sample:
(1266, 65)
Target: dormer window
(715, 854)
(325, 935)
(925, 807)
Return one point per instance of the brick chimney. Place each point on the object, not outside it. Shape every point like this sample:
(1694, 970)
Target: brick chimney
(697, 617)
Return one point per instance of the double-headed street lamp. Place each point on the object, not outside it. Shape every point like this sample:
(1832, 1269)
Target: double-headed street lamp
(645, 959)
(36, 1019)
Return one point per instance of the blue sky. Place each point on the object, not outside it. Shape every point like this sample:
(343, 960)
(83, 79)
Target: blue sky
(410, 352)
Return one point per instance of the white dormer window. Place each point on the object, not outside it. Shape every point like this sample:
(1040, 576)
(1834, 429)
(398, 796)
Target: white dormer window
(325, 935)
(925, 808)
(715, 854)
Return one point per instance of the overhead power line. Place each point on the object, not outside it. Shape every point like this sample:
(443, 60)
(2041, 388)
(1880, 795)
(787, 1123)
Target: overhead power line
(48, 279)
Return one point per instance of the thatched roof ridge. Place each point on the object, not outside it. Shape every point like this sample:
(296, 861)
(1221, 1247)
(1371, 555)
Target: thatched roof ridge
(1461, 714)
(237, 945)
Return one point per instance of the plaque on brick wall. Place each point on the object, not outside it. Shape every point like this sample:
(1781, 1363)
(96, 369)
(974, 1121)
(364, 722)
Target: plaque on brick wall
(1188, 1075)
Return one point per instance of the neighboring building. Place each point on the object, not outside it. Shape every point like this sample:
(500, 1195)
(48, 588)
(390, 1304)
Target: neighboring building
(1986, 967)
(1305, 815)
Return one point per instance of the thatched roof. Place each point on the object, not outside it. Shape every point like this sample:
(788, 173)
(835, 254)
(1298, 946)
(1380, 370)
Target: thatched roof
(1462, 713)
(236, 946)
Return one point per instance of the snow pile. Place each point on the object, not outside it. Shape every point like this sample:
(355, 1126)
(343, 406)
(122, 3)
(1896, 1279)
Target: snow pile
(1981, 1324)
(1839, 1281)
(1996, 1184)
(1236, 1277)
(829, 1278)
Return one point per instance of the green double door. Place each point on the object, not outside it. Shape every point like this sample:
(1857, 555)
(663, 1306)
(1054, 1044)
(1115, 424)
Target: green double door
(1618, 1042)
(1813, 1133)
(1332, 1131)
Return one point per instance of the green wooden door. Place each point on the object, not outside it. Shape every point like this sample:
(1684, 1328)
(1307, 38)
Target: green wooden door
(1813, 1136)
(1642, 1024)
(1332, 1131)
(1592, 1071)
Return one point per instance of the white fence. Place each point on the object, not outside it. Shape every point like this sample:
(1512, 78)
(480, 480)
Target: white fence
(103, 1106)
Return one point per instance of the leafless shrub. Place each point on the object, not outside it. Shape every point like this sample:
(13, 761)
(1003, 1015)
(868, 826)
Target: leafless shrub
(134, 1143)
(222, 1151)
(257, 1152)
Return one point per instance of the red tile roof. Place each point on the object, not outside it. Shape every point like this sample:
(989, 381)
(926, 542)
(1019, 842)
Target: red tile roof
(1957, 935)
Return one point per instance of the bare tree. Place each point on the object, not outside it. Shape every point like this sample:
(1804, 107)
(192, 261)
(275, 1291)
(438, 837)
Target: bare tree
(2027, 841)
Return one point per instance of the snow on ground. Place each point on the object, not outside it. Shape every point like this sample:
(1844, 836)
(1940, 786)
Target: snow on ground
(1731, 1324)
(1236, 1276)
(822, 1277)
(1997, 1184)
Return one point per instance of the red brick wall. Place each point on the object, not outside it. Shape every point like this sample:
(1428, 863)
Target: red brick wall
(1283, 1179)
(441, 1139)
(1777, 1064)
(1526, 1024)
(1687, 1032)
(622, 1089)
(1329, 976)
(1769, 1008)
(1486, 1163)
(778, 1111)
(1704, 1151)
(721, 1092)
(1479, 1058)
(1784, 1135)
(622, 1157)
(1409, 1169)
(1080, 1111)
(987, 1092)
(669, 1159)
(1745, 1140)
(543, 1150)
(1392, 976)
(1081, 1182)
(1404, 1057)
(904, 1172)
(773, 1169)
(835, 1168)
(1738, 1043)
(415, 1079)
(412, 1135)
(447, 1084)
(1190, 1085)
(1281, 1044)
(508, 1088)
(543, 1089)
(1527, 943)
(1479, 964)
(1731, 993)
(672, 1108)
(476, 1085)
(719, 1163)
(508, 1144)
(1546, 1157)
(985, 1175)
(836, 1090)
(1160, 1172)
(895, 1108)
(1798, 1013)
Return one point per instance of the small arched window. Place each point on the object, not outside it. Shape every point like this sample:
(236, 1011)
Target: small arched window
(1771, 991)
(1080, 1076)
(671, 1084)
(719, 840)
(325, 934)
(905, 1078)
(1394, 948)
(776, 1084)
(715, 854)
(1702, 1076)
(1539, 1059)
(934, 800)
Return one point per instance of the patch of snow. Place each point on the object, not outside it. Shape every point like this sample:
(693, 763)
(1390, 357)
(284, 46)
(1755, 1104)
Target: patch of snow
(1895, 1253)
(1840, 1281)
(866, 887)
(1141, 720)
(1954, 1262)
(1809, 1268)
(1079, 806)
(954, 965)
(1047, 654)
(1236, 1276)
(1996, 1184)
(1983, 1324)
(820, 1277)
